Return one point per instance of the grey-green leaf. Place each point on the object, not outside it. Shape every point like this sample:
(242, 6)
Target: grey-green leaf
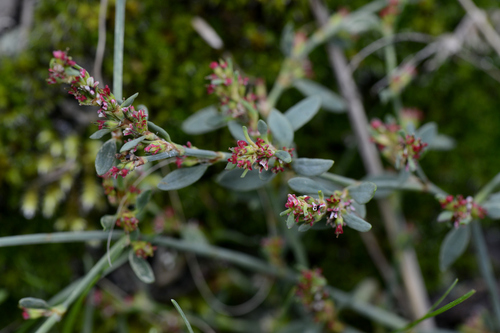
(492, 209)
(329, 100)
(233, 181)
(304, 227)
(363, 192)
(281, 128)
(444, 216)
(356, 223)
(428, 132)
(306, 186)
(284, 156)
(360, 210)
(236, 130)
(141, 268)
(302, 112)
(129, 100)
(105, 157)
(100, 133)
(290, 221)
(311, 166)
(181, 178)
(266, 175)
(286, 42)
(262, 127)
(200, 122)
(442, 142)
(162, 156)
(33, 303)
(132, 143)
(454, 244)
(143, 199)
(107, 222)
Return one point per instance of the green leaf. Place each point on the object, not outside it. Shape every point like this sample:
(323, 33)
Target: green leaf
(283, 155)
(445, 216)
(442, 142)
(33, 303)
(100, 133)
(302, 112)
(129, 100)
(199, 123)
(360, 209)
(132, 144)
(143, 199)
(454, 244)
(304, 227)
(183, 177)
(290, 221)
(262, 128)
(428, 132)
(306, 186)
(236, 130)
(182, 315)
(281, 128)
(191, 232)
(363, 192)
(162, 156)
(356, 223)
(233, 181)
(141, 268)
(71, 71)
(311, 166)
(105, 157)
(107, 222)
(329, 100)
(266, 175)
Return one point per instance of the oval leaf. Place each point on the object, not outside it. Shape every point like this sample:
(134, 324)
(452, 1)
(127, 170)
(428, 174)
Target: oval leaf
(129, 100)
(290, 221)
(304, 227)
(233, 181)
(360, 210)
(132, 144)
(442, 142)
(329, 100)
(236, 130)
(181, 178)
(281, 128)
(143, 199)
(105, 157)
(492, 209)
(141, 268)
(262, 127)
(199, 123)
(100, 133)
(306, 186)
(428, 132)
(284, 156)
(363, 192)
(107, 222)
(311, 166)
(445, 216)
(266, 175)
(454, 244)
(302, 112)
(33, 303)
(356, 223)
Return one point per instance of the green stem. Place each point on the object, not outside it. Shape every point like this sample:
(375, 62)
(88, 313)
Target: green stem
(483, 259)
(201, 153)
(56, 237)
(274, 95)
(487, 189)
(118, 51)
(114, 252)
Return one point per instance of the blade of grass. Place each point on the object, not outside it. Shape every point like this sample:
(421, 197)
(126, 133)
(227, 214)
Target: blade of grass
(182, 315)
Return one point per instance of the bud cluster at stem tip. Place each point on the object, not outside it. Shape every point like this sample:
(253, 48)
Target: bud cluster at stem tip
(460, 210)
(396, 145)
(310, 210)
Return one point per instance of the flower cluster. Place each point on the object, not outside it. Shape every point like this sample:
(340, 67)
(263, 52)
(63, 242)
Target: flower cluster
(310, 210)
(143, 249)
(311, 292)
(248, 153)
(127, 221)
(117, 115)
(460, 210)
(389, 13)
(397, 146)
(273, 249)
(231, 88)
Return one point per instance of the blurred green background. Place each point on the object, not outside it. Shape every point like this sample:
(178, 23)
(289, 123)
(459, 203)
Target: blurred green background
(47, 170)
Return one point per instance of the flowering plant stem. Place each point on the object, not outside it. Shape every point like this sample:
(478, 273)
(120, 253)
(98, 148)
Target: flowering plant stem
(118, 50)
(86, 282)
